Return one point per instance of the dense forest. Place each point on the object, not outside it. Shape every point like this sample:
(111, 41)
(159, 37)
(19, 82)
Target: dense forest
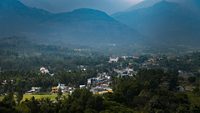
(21, 54)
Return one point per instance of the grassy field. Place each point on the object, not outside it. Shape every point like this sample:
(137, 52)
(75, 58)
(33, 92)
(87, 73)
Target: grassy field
(29, 96)
(1, 98)
(194, 99)
(38, 96)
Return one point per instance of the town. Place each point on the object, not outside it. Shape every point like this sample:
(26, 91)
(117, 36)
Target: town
(112, 78)
(116, 67)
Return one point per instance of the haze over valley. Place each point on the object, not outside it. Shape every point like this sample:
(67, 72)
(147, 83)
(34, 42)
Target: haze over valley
(159, 23)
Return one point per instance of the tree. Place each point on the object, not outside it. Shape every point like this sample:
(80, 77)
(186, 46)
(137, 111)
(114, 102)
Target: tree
(77, 102)
(197, 90)
(9, 99)
(59, 94)
(33, 105)
(19, 90)
(192, 79)
(47, 106)
(173, 80)
(114, 107)
(95, 103)
(19, 96)
(22, 108)
(125, 90)
(195, 109)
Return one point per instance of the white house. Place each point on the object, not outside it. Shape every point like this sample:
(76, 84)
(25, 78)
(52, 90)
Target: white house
(112, 59)
(34, 90)
(43, 70)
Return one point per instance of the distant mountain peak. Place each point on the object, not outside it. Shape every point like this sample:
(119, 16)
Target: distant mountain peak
(8, 4)
(11, 2)
(143, 4)
(86, 10)
(86, 14)
(82, 26)
(163, 4)
(173, 21)
(149, 3)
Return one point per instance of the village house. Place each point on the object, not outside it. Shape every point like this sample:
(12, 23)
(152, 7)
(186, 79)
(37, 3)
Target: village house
(101, 90)
(34, 90)
(5, 82)
(43, 70)
(102, 78)
(100, 84)
(82, 67)
(185, 75)
(82, 86)
(113, 59)
(125, 72)
(62, 87)
(54, 90)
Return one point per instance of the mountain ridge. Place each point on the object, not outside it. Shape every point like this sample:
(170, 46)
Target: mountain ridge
(166, 23)
(82, 26)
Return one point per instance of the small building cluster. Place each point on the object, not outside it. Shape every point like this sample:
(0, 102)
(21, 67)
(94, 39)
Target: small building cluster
(63, 88)
(113, 59)
(100, 84)
(125, 72)
(97, 85)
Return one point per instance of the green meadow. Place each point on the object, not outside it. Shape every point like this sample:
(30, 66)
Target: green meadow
(1, 98)
(38, 96)
(194, 99)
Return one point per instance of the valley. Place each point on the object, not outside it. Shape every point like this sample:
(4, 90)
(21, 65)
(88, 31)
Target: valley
(144, 59)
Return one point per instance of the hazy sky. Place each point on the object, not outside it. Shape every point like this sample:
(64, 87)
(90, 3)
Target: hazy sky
(109, 6)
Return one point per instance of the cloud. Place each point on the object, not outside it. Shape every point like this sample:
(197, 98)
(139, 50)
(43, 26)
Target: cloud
(109, 6)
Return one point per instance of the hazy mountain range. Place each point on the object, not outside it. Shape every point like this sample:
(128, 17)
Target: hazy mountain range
(165, 22)
(81, 26)
(149, 23)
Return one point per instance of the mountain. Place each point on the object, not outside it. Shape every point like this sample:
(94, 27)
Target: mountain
(16, 18)
(166, 23)
(149, 3)
(89, 26)
(143, 4)
(82, 26)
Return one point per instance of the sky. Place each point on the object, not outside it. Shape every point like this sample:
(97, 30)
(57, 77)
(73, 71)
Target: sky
(109, 6)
